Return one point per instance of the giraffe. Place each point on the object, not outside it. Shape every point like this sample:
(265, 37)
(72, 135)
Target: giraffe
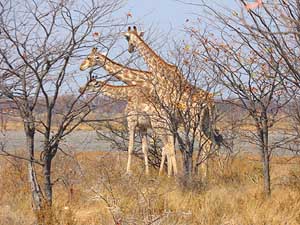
(135, 110)
(172, 85)
(133, 92)
(129, 76)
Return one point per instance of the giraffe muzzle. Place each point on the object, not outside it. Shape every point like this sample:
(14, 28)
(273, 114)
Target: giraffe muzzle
(84, 66)
(131, 48)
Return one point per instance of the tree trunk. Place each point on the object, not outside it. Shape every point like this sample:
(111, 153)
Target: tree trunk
(186, 149)
(265, 157)
(35, 188)
(187, 164)
(266, 172)
(47, 179)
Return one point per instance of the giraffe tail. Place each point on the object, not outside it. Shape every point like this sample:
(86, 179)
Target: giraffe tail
(217, 137)
(209, 128)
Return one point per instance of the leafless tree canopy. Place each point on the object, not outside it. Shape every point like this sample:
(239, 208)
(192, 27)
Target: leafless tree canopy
(41, 42)
(253, 53)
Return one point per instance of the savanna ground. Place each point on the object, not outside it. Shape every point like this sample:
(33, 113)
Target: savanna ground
(92, 188)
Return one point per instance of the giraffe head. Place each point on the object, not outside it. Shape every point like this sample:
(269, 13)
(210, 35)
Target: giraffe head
(90, 86)
(131, 36)
(94, 58)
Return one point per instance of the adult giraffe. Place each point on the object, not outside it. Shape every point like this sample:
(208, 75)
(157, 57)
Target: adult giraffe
(129, 76)
(171, 85)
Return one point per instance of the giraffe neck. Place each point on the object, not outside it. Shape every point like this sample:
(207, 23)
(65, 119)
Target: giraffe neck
(151, 58)
(161, 70)
(116, 92)
(127, 75)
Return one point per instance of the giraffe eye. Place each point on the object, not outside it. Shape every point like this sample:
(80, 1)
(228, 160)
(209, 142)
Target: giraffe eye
(127, 38)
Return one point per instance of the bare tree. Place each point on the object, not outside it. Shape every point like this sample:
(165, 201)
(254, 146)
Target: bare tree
(40, 44)
(274, 28)
(239, 53)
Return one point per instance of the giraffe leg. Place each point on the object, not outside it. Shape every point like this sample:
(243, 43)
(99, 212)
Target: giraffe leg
(130, 147)
(165, 154)
(170, 165)
(145, 150)
(202, 157)
(163, 159)
(205, 152)
(159, 127)
(172, 154)
(204, 161)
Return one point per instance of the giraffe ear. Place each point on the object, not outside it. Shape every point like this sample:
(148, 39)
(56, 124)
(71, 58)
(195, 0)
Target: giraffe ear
(126, 35)
(141, 34)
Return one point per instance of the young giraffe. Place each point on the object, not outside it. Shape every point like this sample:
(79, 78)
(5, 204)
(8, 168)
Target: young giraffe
(134, 77)
(172, 85)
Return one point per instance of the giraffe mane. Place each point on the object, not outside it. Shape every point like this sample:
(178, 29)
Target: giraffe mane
(151, 50)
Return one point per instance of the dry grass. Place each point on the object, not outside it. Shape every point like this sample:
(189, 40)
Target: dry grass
(92, 188)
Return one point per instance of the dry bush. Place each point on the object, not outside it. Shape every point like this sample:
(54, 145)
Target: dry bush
(232, 196)
(14, 193)
(236, 172)
(92, 188)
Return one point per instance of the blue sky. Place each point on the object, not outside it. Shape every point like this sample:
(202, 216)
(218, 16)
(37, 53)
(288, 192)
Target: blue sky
(167, 14)
(168, 17)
